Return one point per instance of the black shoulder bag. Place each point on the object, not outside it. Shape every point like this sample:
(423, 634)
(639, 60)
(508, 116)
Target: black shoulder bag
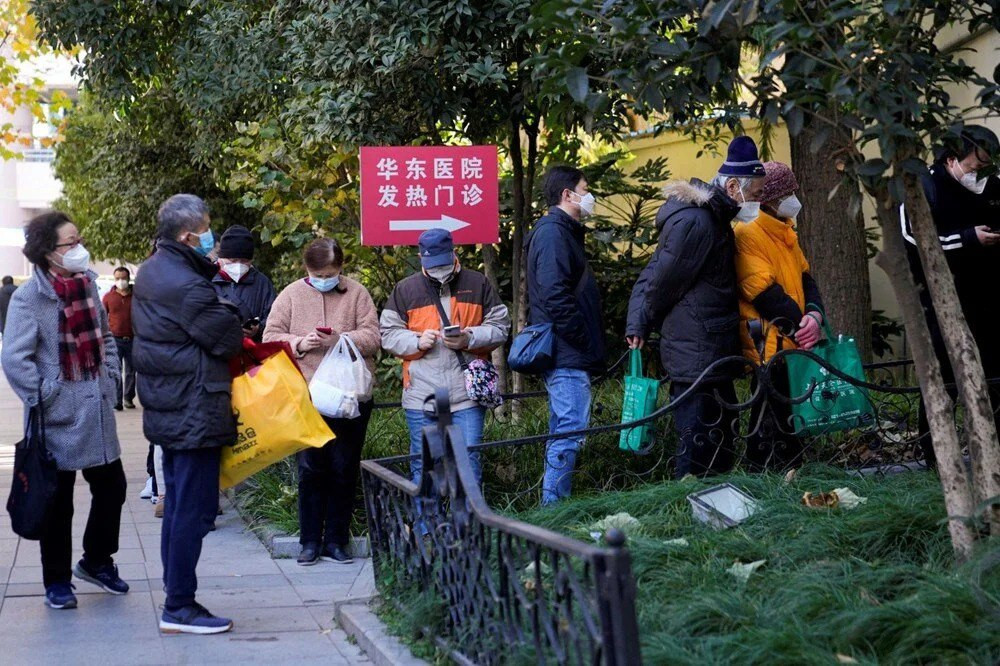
(33, 488)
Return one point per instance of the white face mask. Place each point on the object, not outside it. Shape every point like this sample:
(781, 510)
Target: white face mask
(441, 273)
(749, 210)
(790, 207)
(121, 284)
(587, 204)
(969, 181)
(236, 271)
(77, 260)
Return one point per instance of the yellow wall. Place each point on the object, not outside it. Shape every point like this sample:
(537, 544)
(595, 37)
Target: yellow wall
(682, 153)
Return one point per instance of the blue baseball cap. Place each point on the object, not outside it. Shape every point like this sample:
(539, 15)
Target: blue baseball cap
(436, 248)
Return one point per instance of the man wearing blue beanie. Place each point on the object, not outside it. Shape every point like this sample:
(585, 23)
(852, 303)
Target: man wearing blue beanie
(688, 292)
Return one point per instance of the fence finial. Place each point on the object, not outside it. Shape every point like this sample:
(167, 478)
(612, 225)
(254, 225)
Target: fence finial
(615, 537)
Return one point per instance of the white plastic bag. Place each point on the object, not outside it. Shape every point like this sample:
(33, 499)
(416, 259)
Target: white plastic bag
(342, 380)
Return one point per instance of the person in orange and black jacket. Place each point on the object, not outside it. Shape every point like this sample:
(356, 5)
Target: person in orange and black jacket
(412, 329)
(780, 300)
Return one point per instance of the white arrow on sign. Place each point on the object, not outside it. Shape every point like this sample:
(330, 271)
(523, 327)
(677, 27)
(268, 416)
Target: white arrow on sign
(446, 222)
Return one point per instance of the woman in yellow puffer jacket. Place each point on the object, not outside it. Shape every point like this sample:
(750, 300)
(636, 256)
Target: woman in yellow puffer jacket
(779, 298)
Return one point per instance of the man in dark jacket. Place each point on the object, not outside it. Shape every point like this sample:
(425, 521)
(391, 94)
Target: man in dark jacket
(239, 282)
(562, 291)
(6, 291)
(184, 338)
(966, 211)
(688, 292)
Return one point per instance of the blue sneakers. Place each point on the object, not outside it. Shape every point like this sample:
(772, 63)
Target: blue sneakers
(60, 596)
(105, 577)
(193, 619)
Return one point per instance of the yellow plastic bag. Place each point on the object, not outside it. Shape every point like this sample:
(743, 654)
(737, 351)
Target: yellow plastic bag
(274, 417)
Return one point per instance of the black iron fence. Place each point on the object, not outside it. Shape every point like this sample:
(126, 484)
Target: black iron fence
(507, 589)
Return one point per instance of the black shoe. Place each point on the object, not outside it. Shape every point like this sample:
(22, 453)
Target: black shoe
(129, 404)
(60, 596)
(105, 577)
(336, 554)
(193, 619)
(309, 555)
(118, 408)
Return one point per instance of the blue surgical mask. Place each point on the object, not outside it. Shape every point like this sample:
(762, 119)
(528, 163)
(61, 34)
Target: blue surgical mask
(324, 284)
(206, 243)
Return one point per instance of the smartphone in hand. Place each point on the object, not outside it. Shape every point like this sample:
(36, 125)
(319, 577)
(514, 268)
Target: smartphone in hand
(452, 331)
(325, 330)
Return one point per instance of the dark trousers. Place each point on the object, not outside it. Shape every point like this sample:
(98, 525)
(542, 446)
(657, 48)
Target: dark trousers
(328, 482)
(151, 467)
(704, 429)
(100, 538)
(126, 384)
(192, 480)
(924, 428)
(772, 442)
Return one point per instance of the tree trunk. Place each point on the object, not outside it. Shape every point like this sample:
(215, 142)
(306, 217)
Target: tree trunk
(940, 416)
(518, 283)
(832, 239)
(970, 379)
(491, 264)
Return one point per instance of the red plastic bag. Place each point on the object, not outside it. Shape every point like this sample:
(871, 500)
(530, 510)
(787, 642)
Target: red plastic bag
(255, 353)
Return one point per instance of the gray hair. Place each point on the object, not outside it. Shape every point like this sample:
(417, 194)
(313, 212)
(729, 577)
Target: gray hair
(180, 213)
(720, 181)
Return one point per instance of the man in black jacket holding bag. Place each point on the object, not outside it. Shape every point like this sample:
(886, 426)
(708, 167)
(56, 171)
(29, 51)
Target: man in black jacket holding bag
(562, 291)
(688, 291)
(184, 338)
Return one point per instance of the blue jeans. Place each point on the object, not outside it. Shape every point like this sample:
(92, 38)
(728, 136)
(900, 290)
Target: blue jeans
(469, 420)
(569, 409)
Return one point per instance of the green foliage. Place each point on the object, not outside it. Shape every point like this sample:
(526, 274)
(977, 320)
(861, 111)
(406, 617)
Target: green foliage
(116, 171)
(875, 584)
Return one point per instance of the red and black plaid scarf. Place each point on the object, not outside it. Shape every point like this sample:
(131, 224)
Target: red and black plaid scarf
(81, 343)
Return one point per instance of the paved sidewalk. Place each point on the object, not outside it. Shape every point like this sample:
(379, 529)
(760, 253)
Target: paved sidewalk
(283, 612)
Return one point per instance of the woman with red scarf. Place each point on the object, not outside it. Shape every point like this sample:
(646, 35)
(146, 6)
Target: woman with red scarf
(58, 349)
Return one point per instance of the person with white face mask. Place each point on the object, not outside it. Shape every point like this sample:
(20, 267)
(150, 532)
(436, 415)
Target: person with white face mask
(438, 320)
(965, 205)
(781, 302)
(312, 315)
(688, 292)
(118, 303)
(240, 283)
(67, 378)
(563, 293)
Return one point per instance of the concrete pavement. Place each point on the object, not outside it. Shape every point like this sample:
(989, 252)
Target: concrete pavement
(283, 613)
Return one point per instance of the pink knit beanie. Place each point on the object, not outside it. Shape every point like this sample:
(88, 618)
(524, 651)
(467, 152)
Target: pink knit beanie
(779, 182)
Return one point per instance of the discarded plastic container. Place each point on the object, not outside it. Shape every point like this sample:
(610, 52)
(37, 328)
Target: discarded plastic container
(721, 506)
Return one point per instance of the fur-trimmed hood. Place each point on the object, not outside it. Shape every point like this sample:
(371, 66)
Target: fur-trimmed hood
(694, 191)
(681, 194)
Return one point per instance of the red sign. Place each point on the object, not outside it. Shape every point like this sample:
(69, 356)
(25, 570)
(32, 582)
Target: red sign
(406, 190)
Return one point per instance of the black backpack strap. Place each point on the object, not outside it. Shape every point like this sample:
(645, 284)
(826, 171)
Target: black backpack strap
(436, 297)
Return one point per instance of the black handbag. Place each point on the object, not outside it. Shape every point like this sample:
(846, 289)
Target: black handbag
(33, 488)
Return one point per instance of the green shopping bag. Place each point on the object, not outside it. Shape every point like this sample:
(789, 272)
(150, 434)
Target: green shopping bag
(834, 404)
(640, 401)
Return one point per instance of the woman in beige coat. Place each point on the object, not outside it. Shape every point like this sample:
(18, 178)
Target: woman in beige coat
(311, 314)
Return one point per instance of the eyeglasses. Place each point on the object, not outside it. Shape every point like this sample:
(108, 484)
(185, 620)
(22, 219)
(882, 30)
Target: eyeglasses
(78, 241)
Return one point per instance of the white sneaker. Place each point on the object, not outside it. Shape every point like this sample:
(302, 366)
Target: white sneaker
(147, 491)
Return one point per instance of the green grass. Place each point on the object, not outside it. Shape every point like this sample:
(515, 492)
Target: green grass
(875, 584)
